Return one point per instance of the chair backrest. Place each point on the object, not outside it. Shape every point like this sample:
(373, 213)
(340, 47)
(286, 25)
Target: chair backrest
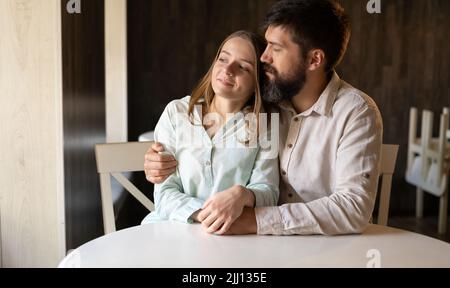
(388, 159)
(112, 160)
(116, 158)
(427, 166)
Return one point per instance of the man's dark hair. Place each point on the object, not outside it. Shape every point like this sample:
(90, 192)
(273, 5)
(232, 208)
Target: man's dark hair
(320, 24)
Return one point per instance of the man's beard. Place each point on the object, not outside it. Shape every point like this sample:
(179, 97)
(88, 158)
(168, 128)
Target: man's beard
(283, 88)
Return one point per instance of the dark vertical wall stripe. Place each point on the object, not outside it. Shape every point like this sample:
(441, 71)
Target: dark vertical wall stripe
(84, 118)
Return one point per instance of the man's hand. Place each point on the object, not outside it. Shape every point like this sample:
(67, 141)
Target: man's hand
(222, 209)
(194, 216)
(158, 166)
(245, 224)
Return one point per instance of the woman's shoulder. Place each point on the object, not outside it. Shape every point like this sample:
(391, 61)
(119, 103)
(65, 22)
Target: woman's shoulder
(178, 105)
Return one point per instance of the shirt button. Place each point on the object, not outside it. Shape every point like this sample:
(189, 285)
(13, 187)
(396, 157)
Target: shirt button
(283, 172)
(290, 146)
(207, 163)
(290, 195)
(296, 119)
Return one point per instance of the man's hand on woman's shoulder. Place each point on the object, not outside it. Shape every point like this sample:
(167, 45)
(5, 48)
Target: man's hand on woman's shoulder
(157, 165)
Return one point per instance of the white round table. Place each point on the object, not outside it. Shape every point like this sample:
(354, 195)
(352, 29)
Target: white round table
(147, 136)
(171, 244)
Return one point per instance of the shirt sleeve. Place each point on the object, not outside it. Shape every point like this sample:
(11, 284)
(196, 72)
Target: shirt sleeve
(349, 208)
(170, 200)
(265, 177)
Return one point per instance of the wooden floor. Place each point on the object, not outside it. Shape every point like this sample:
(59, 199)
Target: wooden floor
(427, 226)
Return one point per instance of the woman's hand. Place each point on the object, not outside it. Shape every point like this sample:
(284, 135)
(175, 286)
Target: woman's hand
(223, 208)
(158, 166)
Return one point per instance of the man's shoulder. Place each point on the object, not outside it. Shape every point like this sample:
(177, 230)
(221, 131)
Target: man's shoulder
(350, 99)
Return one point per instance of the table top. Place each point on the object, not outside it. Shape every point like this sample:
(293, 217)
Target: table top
(147, 136)
(172, 244)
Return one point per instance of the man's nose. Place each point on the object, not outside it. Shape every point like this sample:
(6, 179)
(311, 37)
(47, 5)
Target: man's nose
(265, 57)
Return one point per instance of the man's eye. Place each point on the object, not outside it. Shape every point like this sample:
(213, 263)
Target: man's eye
(222, 60)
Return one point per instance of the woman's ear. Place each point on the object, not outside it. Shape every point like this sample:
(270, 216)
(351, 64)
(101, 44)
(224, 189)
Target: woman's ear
(316, 59)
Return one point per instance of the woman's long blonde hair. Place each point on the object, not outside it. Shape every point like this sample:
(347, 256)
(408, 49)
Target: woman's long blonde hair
(205, 91)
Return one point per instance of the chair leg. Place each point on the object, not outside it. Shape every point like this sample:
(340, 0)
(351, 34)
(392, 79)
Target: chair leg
(443, 206)
(419, 203)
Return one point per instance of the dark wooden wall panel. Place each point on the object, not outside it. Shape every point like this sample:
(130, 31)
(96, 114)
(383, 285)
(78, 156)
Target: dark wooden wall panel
(84, 118)
(171, 45)
(398, 57)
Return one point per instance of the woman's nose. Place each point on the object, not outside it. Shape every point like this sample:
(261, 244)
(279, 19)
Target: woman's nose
(229, 70)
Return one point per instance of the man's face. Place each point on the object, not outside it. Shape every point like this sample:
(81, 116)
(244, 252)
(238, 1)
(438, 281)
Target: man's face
(284, 66)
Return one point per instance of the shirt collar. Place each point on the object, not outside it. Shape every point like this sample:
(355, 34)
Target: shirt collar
(287, 105)
(325, 102)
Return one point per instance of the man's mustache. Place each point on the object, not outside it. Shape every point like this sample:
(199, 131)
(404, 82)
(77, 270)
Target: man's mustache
(270, 69)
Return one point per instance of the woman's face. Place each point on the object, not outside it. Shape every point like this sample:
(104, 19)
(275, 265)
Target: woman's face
(233, 74)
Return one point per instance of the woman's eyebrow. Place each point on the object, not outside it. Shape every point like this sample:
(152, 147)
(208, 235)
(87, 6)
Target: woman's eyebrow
(242, 59)
(248, 61)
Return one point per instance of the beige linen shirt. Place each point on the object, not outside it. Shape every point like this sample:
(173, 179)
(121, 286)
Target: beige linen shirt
(329, 165)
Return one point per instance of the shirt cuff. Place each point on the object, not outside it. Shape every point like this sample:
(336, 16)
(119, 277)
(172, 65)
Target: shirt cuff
(269, 220)
(259, 197)
(265, 195)
(184, 214)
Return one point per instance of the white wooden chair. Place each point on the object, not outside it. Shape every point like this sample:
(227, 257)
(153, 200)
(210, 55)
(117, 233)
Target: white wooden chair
(112, 160)
(388, 159)
(428, 166)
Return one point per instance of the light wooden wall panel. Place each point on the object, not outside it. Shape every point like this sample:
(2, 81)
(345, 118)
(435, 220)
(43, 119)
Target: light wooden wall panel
(31, 161)
(116, 70)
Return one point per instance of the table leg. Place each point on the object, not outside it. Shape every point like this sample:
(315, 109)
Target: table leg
(443, 206)
(419, 203)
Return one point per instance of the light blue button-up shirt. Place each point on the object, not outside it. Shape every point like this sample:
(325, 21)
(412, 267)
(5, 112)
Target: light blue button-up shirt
(209, 165)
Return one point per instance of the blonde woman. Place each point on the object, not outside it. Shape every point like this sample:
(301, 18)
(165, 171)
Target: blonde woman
(218, 167)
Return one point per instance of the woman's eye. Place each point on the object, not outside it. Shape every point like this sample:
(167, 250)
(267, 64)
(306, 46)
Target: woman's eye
(243, 68)
(222, 60)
